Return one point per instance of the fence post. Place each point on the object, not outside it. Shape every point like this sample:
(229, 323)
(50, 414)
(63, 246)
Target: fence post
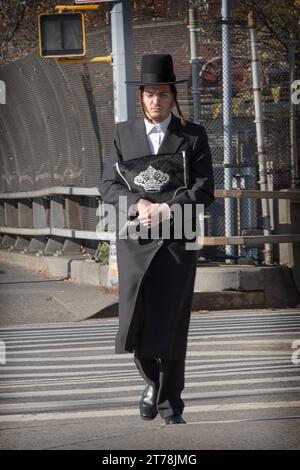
(39, 219)
(10, 216)
(25, 219)
(293, 133)
(289, 222)
(195, 66)
(57, 220)
(259, 122)
(229, 204)
(73, 221)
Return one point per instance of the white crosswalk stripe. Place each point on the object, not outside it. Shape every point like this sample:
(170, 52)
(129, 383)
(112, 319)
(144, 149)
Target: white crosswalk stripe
(235, 362)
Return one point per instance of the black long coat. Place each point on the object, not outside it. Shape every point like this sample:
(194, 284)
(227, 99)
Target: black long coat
(156, 277)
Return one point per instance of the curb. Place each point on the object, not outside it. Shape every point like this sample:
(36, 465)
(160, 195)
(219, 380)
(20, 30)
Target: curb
(216, 287)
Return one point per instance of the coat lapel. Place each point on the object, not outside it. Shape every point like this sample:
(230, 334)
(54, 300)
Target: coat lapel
(140, 139)
(173, 138)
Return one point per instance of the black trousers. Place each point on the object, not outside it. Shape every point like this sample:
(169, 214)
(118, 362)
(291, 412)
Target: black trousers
(168, 374)
(160, 349)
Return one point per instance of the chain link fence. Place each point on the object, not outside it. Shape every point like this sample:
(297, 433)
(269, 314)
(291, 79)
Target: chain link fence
(273, 58)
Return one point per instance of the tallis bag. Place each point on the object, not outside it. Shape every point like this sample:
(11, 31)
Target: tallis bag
(158, 178)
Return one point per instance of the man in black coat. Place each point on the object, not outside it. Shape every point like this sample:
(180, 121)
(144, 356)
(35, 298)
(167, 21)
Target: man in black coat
(156, 276)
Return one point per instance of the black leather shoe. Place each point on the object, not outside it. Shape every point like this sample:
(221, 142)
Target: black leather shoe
(148, 408)
(175, 420)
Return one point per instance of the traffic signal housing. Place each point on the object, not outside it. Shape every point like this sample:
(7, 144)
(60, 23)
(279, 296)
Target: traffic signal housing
(62, 35)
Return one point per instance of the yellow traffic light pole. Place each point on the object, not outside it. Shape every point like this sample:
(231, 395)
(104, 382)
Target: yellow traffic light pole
(86, 60)
(62, 8)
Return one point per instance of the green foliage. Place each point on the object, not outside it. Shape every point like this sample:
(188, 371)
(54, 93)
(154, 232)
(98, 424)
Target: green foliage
(104, 253)
(276, 17)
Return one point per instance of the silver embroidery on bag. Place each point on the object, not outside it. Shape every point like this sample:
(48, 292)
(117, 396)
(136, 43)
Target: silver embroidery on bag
(151, 179)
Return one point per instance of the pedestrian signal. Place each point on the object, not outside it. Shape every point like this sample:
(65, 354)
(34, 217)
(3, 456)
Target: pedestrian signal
(62, 35)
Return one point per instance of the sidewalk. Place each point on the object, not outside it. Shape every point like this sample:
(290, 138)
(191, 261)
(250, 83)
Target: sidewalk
(74, 287)
(29, 297)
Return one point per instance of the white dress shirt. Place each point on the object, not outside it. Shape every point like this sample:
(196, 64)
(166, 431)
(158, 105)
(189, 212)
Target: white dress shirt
(155, 134)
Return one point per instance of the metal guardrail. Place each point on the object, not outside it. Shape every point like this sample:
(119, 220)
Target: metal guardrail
(292, 195)
(55, 212)
(60, 190)
(51, 217)
(71, 191)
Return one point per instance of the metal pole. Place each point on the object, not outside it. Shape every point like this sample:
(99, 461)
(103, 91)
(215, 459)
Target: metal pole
(195, 65)
(2, 92)
(227, 124)
(259, 120)
(293, 140)
(123, 63)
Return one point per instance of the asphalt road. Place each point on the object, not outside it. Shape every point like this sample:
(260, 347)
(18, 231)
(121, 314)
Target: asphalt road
(62, 386)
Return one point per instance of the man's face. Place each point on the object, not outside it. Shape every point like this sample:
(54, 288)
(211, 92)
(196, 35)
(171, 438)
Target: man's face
(158, 101)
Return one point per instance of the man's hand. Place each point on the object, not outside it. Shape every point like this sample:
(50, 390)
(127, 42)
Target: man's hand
(151, 214)
(143, 204)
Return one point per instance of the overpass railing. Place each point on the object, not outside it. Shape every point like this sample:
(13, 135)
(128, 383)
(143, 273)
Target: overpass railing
(49, 220)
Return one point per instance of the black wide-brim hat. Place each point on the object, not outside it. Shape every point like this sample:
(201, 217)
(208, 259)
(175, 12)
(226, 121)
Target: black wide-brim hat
(157, 69)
